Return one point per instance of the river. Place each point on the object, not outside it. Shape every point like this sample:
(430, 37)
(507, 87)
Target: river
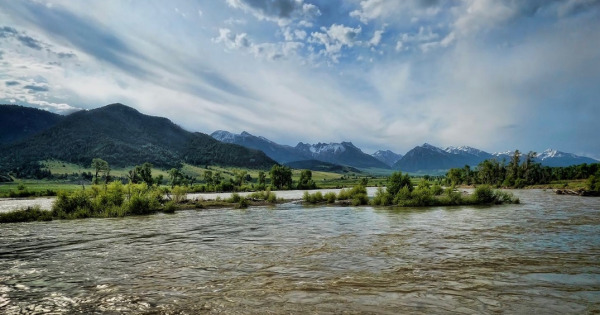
(539, 257)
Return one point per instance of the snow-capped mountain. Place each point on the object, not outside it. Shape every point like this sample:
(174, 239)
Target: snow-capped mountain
(431, 159)
(552, 157)
(278, 152)
(466, 150)
(388, 157)
(344, 153)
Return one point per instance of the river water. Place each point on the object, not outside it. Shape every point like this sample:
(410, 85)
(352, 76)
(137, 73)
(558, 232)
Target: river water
(539, 257)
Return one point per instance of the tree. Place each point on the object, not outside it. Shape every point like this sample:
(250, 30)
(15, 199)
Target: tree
(306, 181)
(281, 176)
(176, 176)
(455, 176)
(208, 178)
(145, 173)
(262, 178)
(397, 181)
(240, 176)
(100, 166)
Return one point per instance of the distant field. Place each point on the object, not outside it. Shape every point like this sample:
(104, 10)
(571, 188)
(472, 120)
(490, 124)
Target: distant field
(376, 177)
(38, 186)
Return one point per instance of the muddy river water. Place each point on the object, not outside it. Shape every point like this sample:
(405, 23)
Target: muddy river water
(539, 257)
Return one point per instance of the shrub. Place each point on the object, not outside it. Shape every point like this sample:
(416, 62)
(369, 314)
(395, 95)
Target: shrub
(271, 198)
(330, 197)
(169, 207)
(28, 214)
(242, 204)
(436, 190)
(382, 198)
(483, 194)
(179, 194)
(235, 197)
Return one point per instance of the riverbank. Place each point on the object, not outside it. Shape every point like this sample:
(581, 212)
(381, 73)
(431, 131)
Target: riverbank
(118, 201)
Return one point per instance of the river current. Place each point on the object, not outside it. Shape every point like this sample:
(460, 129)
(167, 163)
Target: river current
(539, 257)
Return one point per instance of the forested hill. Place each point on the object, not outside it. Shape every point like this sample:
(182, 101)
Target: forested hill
(123, 136)
(19, 122)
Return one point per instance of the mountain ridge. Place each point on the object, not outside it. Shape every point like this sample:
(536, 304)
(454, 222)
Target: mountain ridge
(123, 136)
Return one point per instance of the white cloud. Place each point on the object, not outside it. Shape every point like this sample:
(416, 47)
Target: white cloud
(376, 38)
(335, 38)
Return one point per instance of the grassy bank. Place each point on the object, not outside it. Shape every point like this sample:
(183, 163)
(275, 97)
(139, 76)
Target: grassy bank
(118, 200)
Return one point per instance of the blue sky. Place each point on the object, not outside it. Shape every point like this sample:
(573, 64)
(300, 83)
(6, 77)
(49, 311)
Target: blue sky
(384, 74)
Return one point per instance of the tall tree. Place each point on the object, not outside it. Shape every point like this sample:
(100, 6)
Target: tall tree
(305, 181)
(100, 166)
(281, 176)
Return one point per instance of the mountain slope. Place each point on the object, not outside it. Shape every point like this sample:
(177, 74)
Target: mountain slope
(427, 158)
(278, 152)
(388, 157)
(19, 122)
(122, 136)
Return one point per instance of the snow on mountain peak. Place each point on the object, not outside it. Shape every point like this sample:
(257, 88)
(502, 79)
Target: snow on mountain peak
(431, 147)
(223, 136)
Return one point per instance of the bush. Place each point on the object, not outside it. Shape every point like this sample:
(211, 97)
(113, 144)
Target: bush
(242, 204)
(382, 198)
(483, 194)
(169, 207)
(271, 198)
(179, 194)
(437, 190)
(330, 197)
(28, 214)
(313, 198)
(235, 197)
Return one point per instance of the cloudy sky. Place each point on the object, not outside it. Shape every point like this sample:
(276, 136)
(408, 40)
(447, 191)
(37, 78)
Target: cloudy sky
(384, 74)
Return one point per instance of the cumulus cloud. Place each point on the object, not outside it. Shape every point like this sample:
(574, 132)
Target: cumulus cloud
(280, 11)
(376, 38)
(334, 38)
(272, 51)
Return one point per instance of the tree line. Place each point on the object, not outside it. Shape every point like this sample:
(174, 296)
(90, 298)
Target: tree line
(520, 171)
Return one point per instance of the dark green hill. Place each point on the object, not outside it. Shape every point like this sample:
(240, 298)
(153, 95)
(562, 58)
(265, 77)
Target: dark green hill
(316, 165)
(122, 136)
(19, 122)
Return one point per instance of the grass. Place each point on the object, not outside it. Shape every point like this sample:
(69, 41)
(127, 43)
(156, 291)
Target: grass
(37, 187)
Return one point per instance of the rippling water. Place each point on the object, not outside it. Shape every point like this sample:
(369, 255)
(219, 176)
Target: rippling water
(539, 257)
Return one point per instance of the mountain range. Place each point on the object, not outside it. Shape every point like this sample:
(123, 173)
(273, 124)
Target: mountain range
(344, 153)
(124, 137)
(388, 157)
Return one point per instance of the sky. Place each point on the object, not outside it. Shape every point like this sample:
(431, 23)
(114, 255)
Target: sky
(497, 75)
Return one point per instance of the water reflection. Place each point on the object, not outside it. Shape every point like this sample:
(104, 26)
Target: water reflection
(541, 256)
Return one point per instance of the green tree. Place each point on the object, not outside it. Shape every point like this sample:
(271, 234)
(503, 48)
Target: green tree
(239, 177)
(176, 176)
(145, 173)
(397, 181)
(262, 178)
(306, 181)
(208, 178)
(281, 176)
(100, 166)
